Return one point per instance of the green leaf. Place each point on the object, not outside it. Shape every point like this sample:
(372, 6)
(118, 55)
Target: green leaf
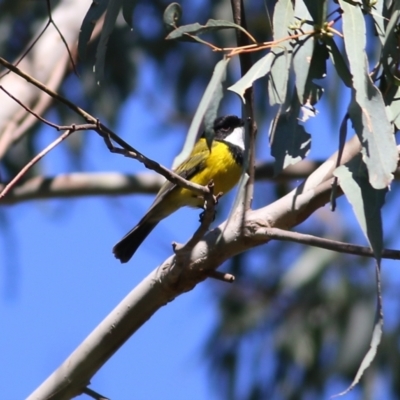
(109, 22)
(365, 200)
(368, 111)
(317, 10)
(208, 104)
(197, 29)
(370, 121)
(172, 16)
(261, 68)
(390, 54)
(303, 49)
(376, 335)
(393, 100)
(338, 61)
(278, 78)
(290, 143)
(95, 11)
(379, 20)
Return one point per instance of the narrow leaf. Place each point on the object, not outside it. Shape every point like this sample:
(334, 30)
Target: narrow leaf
(209, 103)
(127, 10)
(109, 22)
(95, 11)
(261, 68)
(338, 61)
(368, 114)
(303, 49)
(376, 12)
(278, 78)
(390, 46)
(365, 200)
(198, 29)
(376, 335)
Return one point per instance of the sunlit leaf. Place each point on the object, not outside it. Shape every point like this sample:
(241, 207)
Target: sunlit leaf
(261, 68)
(303, 49)
(278, 78)
(368, 112)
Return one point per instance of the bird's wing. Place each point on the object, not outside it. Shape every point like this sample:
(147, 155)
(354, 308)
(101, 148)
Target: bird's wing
(192, 165)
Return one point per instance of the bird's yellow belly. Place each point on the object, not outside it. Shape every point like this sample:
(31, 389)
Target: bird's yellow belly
(222, 169)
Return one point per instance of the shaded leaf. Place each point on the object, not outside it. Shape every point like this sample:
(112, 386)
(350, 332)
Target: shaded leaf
(290, 142)
(109, 22)
(317, 10)
(338, 61)
(393, 100)
(376, 335)
(365, 200)
(312, 91)
(390, 54)
(307, 267)
(127, 10)
(96, 10)
(208, 104)
(261, 68)
(369, 114)
(278, 78)
(377, 14)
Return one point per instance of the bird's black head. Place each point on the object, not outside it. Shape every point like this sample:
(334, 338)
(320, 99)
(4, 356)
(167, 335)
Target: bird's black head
(224, 126)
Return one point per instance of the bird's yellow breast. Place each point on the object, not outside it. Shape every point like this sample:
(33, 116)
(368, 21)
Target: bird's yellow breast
(219, 166)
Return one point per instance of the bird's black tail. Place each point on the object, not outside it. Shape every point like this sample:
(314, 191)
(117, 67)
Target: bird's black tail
(126, 247)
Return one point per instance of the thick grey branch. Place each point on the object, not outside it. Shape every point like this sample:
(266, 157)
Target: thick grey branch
(172, 279)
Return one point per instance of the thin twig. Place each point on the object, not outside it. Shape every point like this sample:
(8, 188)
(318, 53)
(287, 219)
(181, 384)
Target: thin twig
(61, 36)
(221, 276)
(34, 161)
(328, 244)
(47, 122)
(108, 135)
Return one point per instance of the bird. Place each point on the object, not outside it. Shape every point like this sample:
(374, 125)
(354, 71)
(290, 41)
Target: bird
(222, 163)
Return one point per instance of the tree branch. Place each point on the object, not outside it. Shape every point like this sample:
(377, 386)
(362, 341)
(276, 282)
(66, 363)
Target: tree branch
(170, 280)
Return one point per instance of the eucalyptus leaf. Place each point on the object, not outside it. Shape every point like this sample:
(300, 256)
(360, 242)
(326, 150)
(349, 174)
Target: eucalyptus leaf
(113, 10)
(365, 200)
(290, 142)
(339, 62)
(198, 29)
(367, 111)
(278, 78)
(208, 104)
(260, 69)
(303, 49)
(95, 11)
(127, 10)
(172, 16)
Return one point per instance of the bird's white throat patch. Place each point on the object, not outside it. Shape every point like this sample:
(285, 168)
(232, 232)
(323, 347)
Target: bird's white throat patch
(237, 137)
